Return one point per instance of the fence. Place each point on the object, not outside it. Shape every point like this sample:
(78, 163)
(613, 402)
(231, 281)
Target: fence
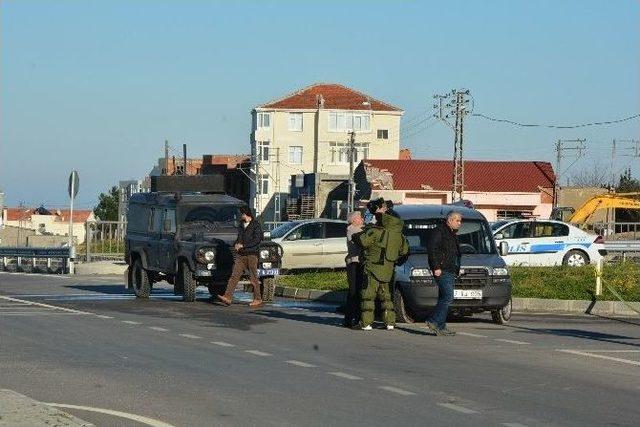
(615, 230)
(104, 240)
(32, 260)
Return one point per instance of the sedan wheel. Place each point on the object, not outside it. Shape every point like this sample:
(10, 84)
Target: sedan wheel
(575, 259)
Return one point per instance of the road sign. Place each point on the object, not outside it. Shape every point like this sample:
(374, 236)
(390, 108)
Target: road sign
(74, 183)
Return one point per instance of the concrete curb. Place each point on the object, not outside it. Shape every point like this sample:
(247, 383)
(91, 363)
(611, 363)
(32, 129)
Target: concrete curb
(18, 410)
(102, 268)
(603, 308)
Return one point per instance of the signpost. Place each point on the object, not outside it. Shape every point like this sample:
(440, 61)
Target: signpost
(74, 183)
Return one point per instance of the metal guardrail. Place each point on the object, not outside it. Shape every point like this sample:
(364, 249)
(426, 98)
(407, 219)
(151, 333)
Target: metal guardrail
(31, 260)
(622, 246)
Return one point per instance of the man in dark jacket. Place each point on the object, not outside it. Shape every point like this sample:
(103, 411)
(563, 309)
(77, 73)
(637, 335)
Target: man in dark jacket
(444, 260)
(246, 247)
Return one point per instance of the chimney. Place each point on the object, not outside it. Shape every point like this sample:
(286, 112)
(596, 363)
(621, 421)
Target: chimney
(320, 101)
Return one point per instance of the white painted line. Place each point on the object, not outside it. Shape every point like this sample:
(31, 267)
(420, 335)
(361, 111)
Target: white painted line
(609, 351)
(457, 408)
(513, 425)
(469, 334)
(397, 391)
(301, 364)
(601, 356)
(258, 353)
(102, 316)
(222, 344)
(37, 313)
(158, 328)
(512, 341)
(39, 304)
(131, 322)
(344, 375)
(193, 337)
(139, 418)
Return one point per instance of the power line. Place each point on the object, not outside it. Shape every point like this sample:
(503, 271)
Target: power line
(610, 122)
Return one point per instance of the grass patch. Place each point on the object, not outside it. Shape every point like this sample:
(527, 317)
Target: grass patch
(528, 282)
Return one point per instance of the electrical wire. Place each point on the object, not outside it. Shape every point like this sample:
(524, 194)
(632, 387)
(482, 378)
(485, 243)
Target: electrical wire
(511, 122)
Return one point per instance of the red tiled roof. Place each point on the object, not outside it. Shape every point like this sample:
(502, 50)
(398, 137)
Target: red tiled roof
(24, 214)
(487, 176)
(17, 214)
(79, 215)
(335, 97)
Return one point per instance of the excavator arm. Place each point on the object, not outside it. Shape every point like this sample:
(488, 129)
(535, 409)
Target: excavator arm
(604, 201)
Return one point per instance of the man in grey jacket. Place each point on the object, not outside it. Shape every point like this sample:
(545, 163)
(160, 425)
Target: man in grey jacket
(354, 271)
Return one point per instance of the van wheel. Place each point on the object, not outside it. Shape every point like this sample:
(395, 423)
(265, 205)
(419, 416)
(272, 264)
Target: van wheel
(402, 312)
(503, 315)
(268, 289)
(140, 280)
(575, 258)
(187, 282)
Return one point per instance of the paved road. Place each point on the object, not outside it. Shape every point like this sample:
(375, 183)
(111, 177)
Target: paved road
(90, 344)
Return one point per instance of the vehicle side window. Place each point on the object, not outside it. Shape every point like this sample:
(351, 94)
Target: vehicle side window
(550, 229)
(335, 229)
(308, 231)
(138, 218)
(155, 221)
(519, 230)
(170, 215)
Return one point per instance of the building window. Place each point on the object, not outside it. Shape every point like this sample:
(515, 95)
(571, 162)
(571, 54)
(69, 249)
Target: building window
(263, 184)
(264, 120)
(295, 122)
(513, 214)
(347, 121)
(262, 154)
(340, 153)
(295, 155)
(383, 134)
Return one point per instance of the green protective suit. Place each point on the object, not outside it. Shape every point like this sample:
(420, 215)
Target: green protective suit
(382, 246)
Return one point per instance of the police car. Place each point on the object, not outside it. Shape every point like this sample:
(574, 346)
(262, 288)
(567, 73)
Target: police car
(546, 243)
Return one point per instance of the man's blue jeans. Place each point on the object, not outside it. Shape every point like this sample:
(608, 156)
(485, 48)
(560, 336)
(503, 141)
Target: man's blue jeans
(445, 298)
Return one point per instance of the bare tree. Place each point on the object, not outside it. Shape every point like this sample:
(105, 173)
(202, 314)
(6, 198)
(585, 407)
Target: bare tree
(595, 175)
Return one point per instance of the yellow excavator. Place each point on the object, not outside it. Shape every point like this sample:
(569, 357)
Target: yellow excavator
(602, 201)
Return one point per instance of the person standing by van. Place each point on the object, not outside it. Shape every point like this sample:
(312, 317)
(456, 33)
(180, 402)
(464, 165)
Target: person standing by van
(246, 246)
(444, 260)
(354, 271)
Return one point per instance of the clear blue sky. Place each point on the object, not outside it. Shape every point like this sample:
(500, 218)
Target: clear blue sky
(98, 86)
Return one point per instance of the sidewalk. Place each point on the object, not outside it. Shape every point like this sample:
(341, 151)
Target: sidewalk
(17, 410)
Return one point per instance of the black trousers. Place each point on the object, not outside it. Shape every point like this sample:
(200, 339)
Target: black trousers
(354, 278)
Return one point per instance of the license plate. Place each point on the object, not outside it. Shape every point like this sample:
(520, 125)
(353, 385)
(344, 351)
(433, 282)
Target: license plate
(467, 294)
(268, 271)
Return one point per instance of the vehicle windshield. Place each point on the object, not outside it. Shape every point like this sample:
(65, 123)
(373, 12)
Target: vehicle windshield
(498, 224)
(206, 214)
(474, 236)
(283, 229)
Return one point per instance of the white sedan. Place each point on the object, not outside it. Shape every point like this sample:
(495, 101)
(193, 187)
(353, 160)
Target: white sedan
(313, 243)
(547, 243)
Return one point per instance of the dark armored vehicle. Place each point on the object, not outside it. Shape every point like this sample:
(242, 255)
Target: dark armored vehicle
(187, 239)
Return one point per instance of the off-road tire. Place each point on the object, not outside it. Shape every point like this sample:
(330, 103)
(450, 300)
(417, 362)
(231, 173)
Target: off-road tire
(268, 289)
(140, 280)
(402, 312)
(575, 258)
(187, 282)
(503, 315)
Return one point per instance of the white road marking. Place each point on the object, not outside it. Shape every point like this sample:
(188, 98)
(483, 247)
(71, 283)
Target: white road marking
(139, 418)
(344, 375)
(131, 322)
(39, 304)
(158, 328)
(222, 344)
(37, 313)
(258, 353)
(301, 364)
(397, 390)
(193, 337)
(609, 351)
(513, 425)
(102, 316)
(469, 334)
(601, 356)
(457, 408)
(512, 341)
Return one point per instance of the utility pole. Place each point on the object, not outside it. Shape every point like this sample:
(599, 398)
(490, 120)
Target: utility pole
(458, 108)
(613, 164)
(166, 158)
(351, 152)
(562, 146)
(184, 153)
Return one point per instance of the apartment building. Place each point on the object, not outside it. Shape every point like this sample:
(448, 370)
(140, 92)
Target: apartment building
(308, 132)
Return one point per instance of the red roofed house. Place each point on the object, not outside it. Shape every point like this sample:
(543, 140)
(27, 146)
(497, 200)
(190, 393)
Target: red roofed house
(307, 132)
(499, 189)
(45, 221)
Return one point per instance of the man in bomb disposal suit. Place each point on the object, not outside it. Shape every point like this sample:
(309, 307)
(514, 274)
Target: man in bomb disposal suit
(383, 244)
